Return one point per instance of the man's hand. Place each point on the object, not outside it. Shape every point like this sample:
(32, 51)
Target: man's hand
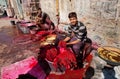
(73, 42)
(66, 39)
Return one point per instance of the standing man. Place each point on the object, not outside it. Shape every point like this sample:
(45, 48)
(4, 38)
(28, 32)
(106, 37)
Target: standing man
(77, 34)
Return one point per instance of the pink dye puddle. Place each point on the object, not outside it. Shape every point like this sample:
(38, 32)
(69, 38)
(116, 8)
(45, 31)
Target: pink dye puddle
(29, 65)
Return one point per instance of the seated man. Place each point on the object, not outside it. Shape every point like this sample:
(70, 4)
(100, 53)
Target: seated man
(41, 14)
(45, 22)
(77, 34)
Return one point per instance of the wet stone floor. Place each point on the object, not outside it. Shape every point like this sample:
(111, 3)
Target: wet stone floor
(11, 51)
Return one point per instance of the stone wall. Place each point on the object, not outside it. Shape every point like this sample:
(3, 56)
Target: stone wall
(108, 9)
(49, 6)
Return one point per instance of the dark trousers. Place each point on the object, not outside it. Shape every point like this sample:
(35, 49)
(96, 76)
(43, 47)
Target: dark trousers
(109, 73)
(78, 52)
(76, 47)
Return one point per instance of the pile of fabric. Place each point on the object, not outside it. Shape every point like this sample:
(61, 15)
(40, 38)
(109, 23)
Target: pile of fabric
(65, 58)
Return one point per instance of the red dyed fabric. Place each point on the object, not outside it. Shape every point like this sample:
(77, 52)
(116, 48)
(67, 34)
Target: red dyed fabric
(65, 58)
(62, 44)
(73, 74)
(51, 54)
(42, 34)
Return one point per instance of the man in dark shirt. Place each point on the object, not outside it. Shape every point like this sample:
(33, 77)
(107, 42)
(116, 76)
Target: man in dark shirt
(77, 34)
(41, 14)
(45, 21)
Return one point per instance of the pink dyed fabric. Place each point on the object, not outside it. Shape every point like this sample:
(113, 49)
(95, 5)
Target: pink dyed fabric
(24, 24)
(22, 67)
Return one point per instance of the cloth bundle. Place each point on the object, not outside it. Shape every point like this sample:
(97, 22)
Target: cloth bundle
(65, 58)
